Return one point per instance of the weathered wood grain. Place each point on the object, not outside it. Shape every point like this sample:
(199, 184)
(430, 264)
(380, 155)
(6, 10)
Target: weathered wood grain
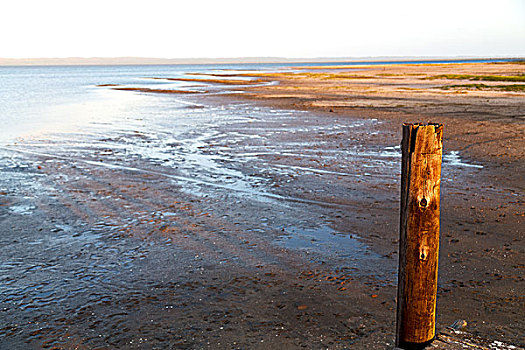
(419, 234)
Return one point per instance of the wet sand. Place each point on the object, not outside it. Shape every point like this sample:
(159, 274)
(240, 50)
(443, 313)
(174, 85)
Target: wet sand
(481, 258)
(275, 228)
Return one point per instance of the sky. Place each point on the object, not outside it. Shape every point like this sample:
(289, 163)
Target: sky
(269, 28)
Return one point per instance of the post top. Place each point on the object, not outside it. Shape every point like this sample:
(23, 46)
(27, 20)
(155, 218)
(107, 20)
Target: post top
(437, 125)
(423, 138)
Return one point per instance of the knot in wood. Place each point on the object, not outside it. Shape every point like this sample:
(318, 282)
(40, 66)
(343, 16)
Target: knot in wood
(423, 253)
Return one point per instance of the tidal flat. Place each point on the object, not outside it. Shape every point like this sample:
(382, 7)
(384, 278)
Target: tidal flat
(262, 215)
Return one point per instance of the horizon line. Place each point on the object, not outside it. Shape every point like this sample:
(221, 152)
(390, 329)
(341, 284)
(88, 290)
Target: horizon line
(138, 60)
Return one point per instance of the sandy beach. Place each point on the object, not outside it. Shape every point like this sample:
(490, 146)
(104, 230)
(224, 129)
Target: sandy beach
(275, 228)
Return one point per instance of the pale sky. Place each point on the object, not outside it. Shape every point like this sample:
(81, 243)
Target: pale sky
(278, 28)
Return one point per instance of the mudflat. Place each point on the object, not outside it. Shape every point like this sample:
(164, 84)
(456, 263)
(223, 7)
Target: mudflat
(482, 108)
(273, 222)
(480, 103)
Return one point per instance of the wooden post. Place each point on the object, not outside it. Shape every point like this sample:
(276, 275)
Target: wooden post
(419, 235)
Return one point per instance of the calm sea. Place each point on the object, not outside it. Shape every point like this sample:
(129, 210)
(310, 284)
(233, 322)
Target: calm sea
(43, 99)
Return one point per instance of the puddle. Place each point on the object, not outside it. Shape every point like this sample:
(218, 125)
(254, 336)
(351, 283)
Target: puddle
(23, 209)
(453, 159)
(323, 240)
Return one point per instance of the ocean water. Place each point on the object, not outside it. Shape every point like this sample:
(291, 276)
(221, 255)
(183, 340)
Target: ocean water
(40, 100)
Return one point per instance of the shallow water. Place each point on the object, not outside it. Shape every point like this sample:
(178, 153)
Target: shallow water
(38, 99)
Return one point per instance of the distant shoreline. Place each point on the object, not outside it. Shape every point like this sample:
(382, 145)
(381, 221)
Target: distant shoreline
(124, 61)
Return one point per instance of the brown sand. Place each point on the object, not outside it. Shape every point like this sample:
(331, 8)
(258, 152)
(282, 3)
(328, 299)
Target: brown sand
(487, 125)
(215, 81)
(157, 91)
